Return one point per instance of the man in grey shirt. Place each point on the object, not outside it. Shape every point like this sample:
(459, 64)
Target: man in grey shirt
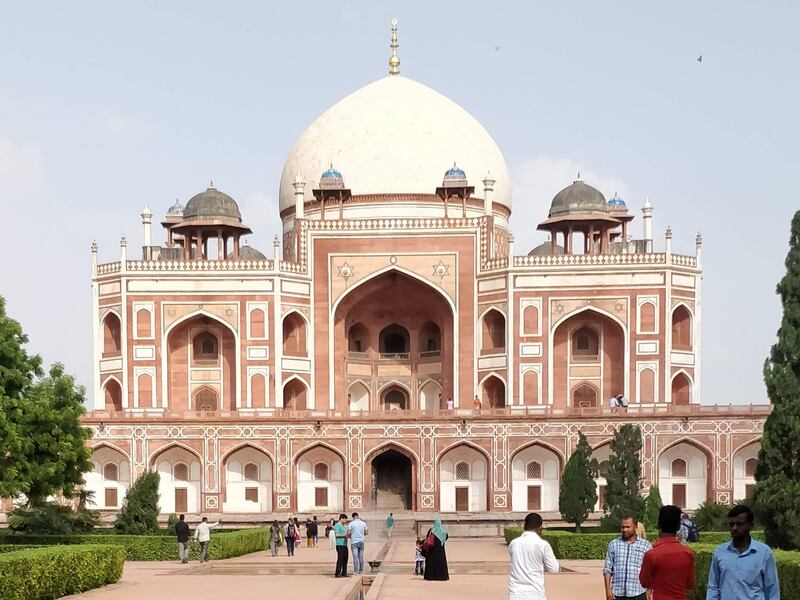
(358, 532)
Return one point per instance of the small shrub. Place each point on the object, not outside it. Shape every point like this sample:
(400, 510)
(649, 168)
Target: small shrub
(48, 519)
(652, 504)
(139, 512)
(171, 521)
(39, 573)
(711, 516)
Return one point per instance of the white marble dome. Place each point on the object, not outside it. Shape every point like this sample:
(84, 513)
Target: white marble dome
(395, 136)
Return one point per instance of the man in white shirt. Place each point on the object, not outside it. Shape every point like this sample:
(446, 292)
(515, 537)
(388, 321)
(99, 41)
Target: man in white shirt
(203, 535)
(531, 556)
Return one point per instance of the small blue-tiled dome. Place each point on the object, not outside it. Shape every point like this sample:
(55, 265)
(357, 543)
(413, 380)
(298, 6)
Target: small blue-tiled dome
(176, 210)
(454, 175)
(617, 203)
(331, 179)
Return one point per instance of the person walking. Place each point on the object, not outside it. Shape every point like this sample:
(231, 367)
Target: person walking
(275, 537)
(668, 568)
(530, 556)
(203, 535)
(290, 537)
(340, 530)
(314, 531)
(742, 569)
(309, 536)
(183, 533)
(357, 531)
(624, 562)
(389, 525)
(331, 534)
(435, 556)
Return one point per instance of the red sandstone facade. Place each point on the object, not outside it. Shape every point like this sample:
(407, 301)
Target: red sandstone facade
(399, 355)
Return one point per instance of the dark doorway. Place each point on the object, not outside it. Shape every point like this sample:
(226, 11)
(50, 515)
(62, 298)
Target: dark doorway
(462, 499)
(392, 487)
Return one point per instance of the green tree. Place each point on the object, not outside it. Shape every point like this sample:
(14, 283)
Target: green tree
(624, 477)
(17, 373)
(139, 512)
(578, 494)
(777, 493)
(652, 504)
(54, 454)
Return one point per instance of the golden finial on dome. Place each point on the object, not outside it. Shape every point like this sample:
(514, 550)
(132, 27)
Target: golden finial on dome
(394, 61)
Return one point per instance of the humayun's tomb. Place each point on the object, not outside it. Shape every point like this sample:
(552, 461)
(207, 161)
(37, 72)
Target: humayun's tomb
(316, 376)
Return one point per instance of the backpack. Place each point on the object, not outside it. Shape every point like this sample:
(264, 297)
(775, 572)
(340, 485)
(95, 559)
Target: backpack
(692, 534)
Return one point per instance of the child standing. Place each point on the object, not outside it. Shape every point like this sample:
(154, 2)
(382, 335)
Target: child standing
(419, 560)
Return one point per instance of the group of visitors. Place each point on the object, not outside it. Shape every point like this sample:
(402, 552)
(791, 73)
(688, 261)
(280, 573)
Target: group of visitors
(635, 569)
(742, 569)
(289, 533)
(202, 535)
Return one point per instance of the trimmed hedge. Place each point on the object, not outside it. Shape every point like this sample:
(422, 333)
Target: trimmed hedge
(156, 547)
(584, 546)
(16, 547)
(45, 573)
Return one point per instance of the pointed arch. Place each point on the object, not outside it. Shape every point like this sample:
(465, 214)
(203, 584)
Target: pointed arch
(493, 335)
(397, 383)
(112, 333)
(225, 456)
(318, 444)
(463, 478)
(361, 401)
(681, 388)
(110, 446)
(113, 394)
(299, 396)
(681, 320)
(493, 393)
(166, 397)
(170, 446)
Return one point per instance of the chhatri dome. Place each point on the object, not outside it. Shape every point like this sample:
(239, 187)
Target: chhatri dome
(391, 137)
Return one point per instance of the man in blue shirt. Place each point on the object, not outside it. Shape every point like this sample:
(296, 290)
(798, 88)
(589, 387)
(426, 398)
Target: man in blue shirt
(358, 531)
(742, 569)
(624, 562)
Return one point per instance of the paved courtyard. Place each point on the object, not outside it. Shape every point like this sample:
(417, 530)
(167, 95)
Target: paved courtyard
(478, 569)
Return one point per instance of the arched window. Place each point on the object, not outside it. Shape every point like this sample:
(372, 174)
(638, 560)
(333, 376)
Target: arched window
(358, 338)
(206, 400)
(294, 335)
(205, 347)
(250, 472)
(533, 470)
(430, 339)
(110, 472)
(494, 392)
(394, 340)
(295, 395)
(257, 324)
(494, 333)
(530, 320)
(462, 471)
(321, 472)
(180, 472)
(647, 317)
(584, 396)
(143, 323)
(113, 395)
(750, 467)
(678, 468)
(681, 389)
(681, 328)
(585, 344)
(111, 335)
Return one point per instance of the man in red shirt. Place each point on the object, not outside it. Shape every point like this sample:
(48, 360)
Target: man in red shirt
(668, 569)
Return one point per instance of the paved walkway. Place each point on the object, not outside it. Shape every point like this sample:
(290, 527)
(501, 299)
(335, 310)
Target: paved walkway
(478, 569)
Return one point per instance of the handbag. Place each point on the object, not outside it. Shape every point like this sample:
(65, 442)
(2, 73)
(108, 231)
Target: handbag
(429, 543)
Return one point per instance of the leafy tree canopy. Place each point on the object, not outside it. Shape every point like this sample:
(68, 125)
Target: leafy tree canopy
(139, 512)
(578, 494)
(777, 494)
(624, 477)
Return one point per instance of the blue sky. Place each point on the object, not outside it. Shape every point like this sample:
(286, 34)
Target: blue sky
(106, 107)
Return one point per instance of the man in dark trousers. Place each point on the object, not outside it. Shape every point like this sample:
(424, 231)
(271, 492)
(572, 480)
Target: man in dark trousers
(668, 569)
(183, 534)
(341, 546)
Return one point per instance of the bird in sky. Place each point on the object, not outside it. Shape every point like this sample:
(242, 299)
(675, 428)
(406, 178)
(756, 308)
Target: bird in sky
(700, 58)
